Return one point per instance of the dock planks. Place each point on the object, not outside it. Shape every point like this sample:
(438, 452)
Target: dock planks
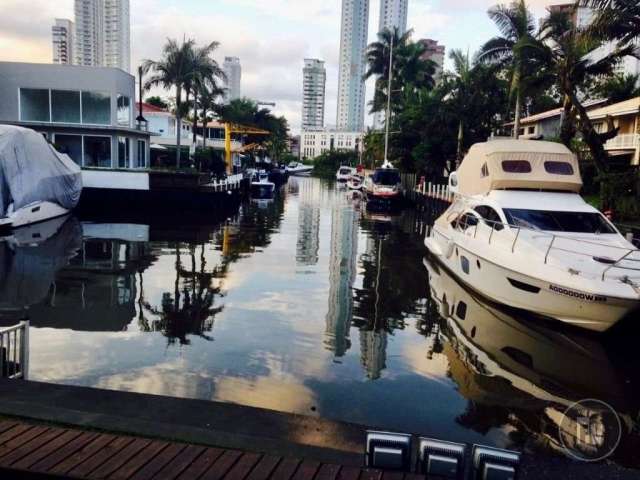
(32, 451)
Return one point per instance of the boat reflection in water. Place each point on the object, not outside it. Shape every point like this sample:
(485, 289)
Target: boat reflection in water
(522, 373)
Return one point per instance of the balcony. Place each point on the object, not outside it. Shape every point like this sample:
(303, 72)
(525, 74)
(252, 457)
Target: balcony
(624, 141)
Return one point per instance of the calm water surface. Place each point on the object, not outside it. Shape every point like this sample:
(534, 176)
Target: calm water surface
(304, 304)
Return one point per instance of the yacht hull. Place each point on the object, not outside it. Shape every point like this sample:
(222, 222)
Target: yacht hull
(542, 297)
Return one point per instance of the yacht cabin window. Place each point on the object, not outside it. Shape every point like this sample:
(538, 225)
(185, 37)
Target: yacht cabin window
(484, 172)
(516, 166)
(490, 216)
(558, 168)
(552, 221)
(465, 221)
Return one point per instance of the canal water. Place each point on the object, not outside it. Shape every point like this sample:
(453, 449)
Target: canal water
(306, 304)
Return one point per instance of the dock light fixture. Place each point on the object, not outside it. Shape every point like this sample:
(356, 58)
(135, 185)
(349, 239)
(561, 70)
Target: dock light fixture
(494, 463)
(388, 451)
(441, 459)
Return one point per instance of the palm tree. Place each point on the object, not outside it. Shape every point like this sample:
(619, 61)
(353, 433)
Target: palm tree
(461, 90)
(174, 70)
(618, 88)
(517, 26)
(208, 96)
(617, 20)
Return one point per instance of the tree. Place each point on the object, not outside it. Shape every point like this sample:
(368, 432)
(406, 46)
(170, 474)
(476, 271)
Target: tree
(461, 91)
(618, 88)
(517, 28)
(157, 101)
(617, 21)
(172, 71)
(208, 96)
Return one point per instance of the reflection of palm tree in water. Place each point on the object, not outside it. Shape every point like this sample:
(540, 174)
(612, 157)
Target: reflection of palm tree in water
(190, 310)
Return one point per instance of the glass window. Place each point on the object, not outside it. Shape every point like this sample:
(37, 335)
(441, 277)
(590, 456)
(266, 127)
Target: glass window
(559, 168)
(142, 154)
(96, 108)
(97, 151)
(124, 111)
(484, 172)
(516, 166)
(123, 152)
(461, 310)
(386, 177)
(491, 216)
(574, 222)
(71, 145)
(65, 106)
(34, 105)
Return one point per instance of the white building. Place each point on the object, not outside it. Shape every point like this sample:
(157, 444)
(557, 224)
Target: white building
(313, 90)
(314, 143)
(353, 43)
(393, 16)
(62, 41)
(233, 71)
(102, 33)
(434, 52)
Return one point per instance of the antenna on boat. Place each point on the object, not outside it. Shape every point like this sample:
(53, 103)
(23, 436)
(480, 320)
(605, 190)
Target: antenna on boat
(386, 163)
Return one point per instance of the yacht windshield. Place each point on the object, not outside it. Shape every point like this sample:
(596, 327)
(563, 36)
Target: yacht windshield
(386, 177)
(551, 221)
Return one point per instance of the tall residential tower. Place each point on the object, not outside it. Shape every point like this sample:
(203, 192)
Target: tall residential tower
(62, 41)
(353, 44)
(393, 16)
(233, 71)
(313, 89)
(102, 33)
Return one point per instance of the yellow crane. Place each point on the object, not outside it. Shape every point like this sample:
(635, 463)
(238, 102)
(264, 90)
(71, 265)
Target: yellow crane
(230, 128)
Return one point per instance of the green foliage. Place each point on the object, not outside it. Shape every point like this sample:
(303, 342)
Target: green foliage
(327, 164)
(157, 101)
(617, 88)
(210, 160)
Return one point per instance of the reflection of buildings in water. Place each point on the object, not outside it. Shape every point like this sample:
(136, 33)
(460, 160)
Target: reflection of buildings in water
(373, 352)
(342, 273)
(308, 235)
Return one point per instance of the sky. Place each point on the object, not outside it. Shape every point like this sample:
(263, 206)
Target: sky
(271, 37)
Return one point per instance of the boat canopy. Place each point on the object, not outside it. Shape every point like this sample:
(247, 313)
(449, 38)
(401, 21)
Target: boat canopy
(518, 164)
(32, 170)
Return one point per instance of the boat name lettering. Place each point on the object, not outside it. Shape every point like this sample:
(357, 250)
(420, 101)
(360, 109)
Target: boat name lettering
(581, 295)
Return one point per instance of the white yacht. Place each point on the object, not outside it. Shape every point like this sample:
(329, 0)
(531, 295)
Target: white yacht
(519, 233)
(37, 182)
(344, 173)
(261, 187)
(299, 169)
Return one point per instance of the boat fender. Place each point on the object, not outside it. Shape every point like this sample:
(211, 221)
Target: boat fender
(451, 245)
(443, 307)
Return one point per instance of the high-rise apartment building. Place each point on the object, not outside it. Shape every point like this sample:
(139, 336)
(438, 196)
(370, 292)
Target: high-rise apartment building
(62, 41)
(233, 72)
(393, 16)
(353, 44)
(314, 77)
(102, 33)
(434, 52)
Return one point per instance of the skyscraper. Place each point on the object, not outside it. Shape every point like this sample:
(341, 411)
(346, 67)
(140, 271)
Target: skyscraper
(102, 33)
(393, 16)
(62, 41)
(233, 71)
(313, 89)
(353, 43)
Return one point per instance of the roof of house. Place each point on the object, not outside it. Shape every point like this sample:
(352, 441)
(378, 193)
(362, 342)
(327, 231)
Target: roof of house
(147, 108)
(556, 112)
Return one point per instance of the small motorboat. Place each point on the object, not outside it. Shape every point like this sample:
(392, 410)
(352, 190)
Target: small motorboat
(299, 169)
(261, 187)
(355, 182)
(519, 233)
(344, 174)
(37, 183)
(384, 186)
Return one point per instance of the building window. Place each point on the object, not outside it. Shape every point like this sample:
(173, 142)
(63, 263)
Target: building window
(123, 152)
(65, 106)
(34, 105)
(124, 111)
(96, 108)
(142, 154)
(97, 151)
(71, 145)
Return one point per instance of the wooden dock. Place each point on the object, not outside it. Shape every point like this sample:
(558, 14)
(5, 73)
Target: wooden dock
(41, 452)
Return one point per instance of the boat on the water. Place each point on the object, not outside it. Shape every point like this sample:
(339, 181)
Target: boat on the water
(344, 174)
(519, 233)
(299, 169)
(384, 186)
(355, 182)
(261, 186)
(37, 183)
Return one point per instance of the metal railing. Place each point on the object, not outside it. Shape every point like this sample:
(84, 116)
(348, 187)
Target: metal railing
(439, 192)
(14, 351)
(614, 263)
(229, 183)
